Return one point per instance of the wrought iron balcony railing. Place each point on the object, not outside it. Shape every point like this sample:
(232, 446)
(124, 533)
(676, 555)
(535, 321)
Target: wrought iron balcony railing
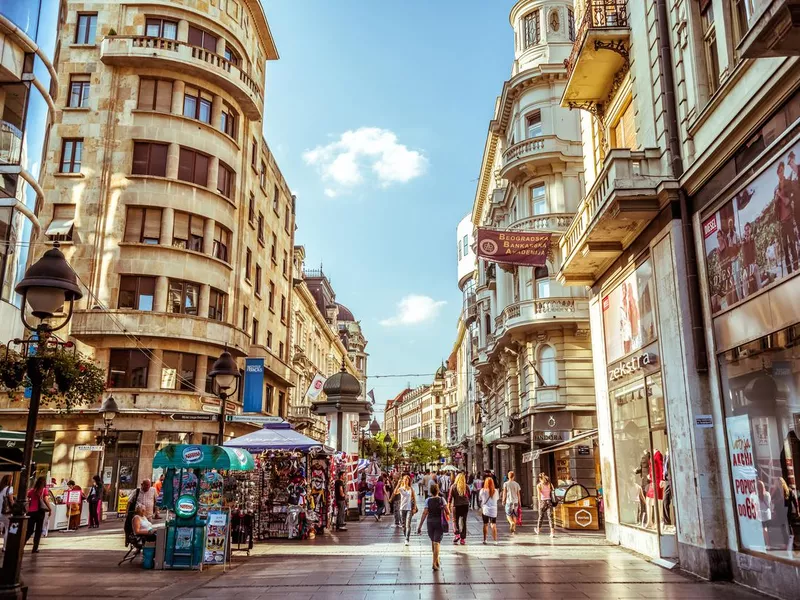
(599, 14)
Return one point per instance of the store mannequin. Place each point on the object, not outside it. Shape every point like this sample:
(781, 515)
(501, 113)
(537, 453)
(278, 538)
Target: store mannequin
(655, 489)
(644, 480)
(666, 507)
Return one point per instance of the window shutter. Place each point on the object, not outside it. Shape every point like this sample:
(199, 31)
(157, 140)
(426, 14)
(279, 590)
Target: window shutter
(141, 150)
(704, 4)
(628, 128)
(201, 170)
(133, 225)
(146, 93)
(186, 165)
(181, 230)
(197, 226)
(152, 223)
(158, 160)
(209, 42)
(164, 96)
(64, 212)
(195, 36)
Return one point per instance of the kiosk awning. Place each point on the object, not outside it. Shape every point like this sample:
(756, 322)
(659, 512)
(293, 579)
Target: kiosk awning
(278, 436)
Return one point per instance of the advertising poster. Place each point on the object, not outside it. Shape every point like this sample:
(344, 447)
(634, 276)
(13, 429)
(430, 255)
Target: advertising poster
(628, 317)
(745, 482)
(216, 540)
(122, 502)
(752, 241)
(210, 496)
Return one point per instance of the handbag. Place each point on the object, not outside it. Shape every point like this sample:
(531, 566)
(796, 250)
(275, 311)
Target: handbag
(445, 522)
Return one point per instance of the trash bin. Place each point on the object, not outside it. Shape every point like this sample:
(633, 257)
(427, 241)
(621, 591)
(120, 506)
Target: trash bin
(148, 556)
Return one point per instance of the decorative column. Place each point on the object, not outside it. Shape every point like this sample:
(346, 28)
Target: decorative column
(202, 302)
(213, 174)
(178, 88)
(154, 370)
(161, 295)
(167, 226)
(173, 157)
(208, 234)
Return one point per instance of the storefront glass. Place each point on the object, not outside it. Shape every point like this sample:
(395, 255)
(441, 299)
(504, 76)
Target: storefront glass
(761, 382)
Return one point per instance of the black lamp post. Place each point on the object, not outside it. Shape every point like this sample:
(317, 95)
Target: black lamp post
(388, 441)
(48, 284)
(109, 410)
(225, 373)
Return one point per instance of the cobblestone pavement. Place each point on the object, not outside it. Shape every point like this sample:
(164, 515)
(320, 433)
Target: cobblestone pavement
(370, 561)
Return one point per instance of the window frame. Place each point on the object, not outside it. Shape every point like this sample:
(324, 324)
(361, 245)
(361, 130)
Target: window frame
(142, 239)
(251, 211)
(220, 247)
(538, 200)
(218, 309)
(181, 384)
(254, 333)
(194, 166)
(160, 169)
(226, 183)
(157, 82)
(184, 288)
(533, 119)
(161, 21)
(137, 292)
(84, 85)
(708, 32)
(271, 296)
(258, 279)
(91, 28)
(74, 144)
(127, 372)
(204, 33)
(191, 240)
(248, 264)
(202, 99)
(229, 121)
(531, 24)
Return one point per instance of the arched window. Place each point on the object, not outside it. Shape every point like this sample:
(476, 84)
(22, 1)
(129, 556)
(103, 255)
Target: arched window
(487, 324)
(542, 277)
(547, 365)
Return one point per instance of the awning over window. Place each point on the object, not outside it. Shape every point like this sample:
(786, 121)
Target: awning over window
(574, 441)
(60, 227)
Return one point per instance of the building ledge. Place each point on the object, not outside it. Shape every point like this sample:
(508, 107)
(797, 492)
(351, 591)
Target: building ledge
(774, 32)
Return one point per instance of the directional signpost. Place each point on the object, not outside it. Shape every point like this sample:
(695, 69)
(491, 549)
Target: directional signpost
(192, 417)
(263, 420)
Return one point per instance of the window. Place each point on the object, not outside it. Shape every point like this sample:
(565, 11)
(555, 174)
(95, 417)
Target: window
(275, 199)
(60, 228)
(261, 227)
(254, 336)
(202, 39)
(178, 371)
(251, 210)
(193, 167)
(254, 154)
(197, 104)
(623, 134)
(79, 91)
(143, 225)
(571, 24)
(222, 240)
(161, 28)
(229, 120)
(71, 153)
(268, 399)
(263, 176)
(86, 31)
(245, 317)
(530, 29)
(458, 248)
(272, 296)
(232, 56)
(210, 387)
(280, 350)
(258, 280)
(187, 232)
(274, 250)
(184, 297)
(547, 366)
(542, 278)
(216, 304)
(539, 199)
(286, 264)
(269, 340)
(466, 245)
(136, 292)
(225, 180)
(149, 159)
(710, 47)
(128, 369)
(533, 124)
(155, 94)
(248, 263)
(742, 14)
(283, 308)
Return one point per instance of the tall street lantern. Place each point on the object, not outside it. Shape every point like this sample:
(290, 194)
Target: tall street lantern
(108, 411)
(225, 374)
(374, 427)
(48, 285)
(388, 441)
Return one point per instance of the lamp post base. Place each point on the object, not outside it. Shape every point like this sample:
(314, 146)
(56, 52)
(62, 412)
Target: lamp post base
(11, 586)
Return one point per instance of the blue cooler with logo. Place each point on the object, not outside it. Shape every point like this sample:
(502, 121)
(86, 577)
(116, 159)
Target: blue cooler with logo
(185, 535)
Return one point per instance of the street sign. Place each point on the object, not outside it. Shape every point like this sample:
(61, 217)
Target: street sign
(191, 417)
(210, 408)
(89, 448)
(264, 420)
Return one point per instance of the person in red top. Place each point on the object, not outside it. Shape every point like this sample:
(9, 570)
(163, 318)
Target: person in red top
(38, 505)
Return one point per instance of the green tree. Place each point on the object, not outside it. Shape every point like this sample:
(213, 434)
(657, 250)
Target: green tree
(376, 446)
(422, 452)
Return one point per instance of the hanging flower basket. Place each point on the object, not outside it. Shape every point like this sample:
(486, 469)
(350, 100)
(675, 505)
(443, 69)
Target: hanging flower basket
(12, 372)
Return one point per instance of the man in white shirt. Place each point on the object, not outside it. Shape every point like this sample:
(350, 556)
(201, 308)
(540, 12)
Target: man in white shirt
(145, 496)
(510, 498)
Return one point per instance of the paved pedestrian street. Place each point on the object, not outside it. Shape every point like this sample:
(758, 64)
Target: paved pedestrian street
(371, 561)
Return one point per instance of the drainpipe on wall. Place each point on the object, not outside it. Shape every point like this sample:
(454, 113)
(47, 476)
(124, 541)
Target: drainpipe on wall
(676, 162)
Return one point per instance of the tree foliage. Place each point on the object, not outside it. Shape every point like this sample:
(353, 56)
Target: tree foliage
(421, 451)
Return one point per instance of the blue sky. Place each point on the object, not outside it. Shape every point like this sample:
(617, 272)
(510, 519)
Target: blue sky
(414, 84)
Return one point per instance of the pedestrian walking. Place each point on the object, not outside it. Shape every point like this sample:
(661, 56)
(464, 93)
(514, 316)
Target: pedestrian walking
(340, 496)
(459, 506)
(544, 490)
(425, 484)
(408, 504)
(38, 506)
(436, 509)
(363, 488)
(477, 485)
(489, 499)
(95, 499)
(444, 484)
(511, 502)
(380, 498)
(394, 500)
(6, 506)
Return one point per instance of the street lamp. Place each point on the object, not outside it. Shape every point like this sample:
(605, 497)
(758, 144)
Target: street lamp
(225, 373)
(109, 410)
(49, 283)
(388, 441)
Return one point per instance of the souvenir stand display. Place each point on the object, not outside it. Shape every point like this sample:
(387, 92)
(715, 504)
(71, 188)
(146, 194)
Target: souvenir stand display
(290, 488)
(200, 489)
(371, 470)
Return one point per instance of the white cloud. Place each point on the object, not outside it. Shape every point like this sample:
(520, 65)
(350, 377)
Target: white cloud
(414, 309)
(342, 164)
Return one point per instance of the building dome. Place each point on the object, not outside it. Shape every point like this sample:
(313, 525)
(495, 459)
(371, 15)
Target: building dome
(344, 313)
(342, 384)
(440, 372)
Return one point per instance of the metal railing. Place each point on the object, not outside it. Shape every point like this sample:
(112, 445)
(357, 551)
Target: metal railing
(551, 222)
(599, 14)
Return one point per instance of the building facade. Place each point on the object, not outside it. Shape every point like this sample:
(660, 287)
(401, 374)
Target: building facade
(28, 94)
(172, 211)
(533, 361)
(687, 235)
(317, 346)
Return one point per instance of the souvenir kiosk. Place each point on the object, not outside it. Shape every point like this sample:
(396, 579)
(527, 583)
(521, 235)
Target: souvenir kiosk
(577, 509)
(199, 491)
(291, 488)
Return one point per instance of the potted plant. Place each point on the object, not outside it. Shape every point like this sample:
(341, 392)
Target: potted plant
(12, 370)
(65, 369)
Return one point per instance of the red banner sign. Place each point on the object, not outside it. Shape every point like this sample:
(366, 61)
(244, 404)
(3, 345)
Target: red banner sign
(514, 248)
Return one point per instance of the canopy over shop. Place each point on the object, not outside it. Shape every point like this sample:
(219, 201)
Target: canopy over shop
(291, 489)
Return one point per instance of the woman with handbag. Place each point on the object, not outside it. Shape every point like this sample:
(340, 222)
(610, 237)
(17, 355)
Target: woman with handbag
(545, 490)
(438, 524)
(459, 506)
(408, 504)
(489, 498)
(38, 505)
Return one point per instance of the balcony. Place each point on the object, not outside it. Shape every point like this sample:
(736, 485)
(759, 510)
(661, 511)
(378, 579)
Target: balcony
(522, 158)
(152, 52)
(599, 57)
(555, 222)
(10, 144)
(631, 190)
(470, 310)
(774, 30)
(91, 326)
(527, 315)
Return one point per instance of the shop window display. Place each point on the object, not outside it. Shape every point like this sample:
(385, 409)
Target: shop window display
(762, 409)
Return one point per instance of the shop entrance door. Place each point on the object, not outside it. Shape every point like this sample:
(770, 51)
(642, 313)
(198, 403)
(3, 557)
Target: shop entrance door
(123, 458)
